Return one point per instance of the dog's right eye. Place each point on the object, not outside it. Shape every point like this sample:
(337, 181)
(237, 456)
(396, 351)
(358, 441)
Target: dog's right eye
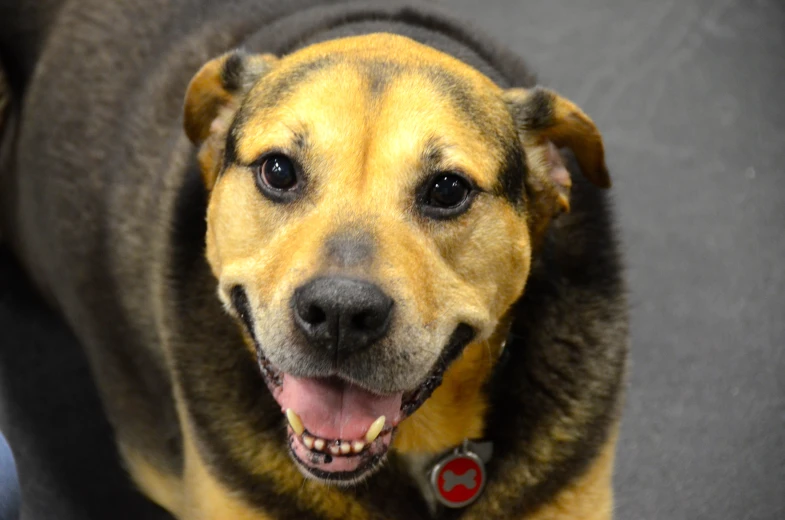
(277, 178)
(445, 196)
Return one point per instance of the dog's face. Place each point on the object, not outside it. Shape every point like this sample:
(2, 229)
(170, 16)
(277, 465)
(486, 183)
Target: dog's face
(373, 208)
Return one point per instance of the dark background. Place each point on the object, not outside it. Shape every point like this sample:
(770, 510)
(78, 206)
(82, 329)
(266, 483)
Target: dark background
(690, 96)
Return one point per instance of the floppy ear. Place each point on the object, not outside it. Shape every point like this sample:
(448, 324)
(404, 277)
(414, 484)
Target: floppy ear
(212, 99)
(546, 122)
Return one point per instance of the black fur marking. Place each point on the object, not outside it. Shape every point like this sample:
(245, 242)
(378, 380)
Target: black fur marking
(378, 82)
(233, 72)
(512, 175)
(230, 146)
(301, 142)
(535, 112)
(462, 97)
(432, 156)
(379, 74)
(189, 227)
(460, 338)
(241, 306)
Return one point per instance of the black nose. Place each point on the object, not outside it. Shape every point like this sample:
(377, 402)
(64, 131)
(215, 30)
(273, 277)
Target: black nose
(342, 315)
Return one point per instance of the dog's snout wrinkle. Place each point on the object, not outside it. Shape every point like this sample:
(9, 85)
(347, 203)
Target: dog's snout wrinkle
(342, 315)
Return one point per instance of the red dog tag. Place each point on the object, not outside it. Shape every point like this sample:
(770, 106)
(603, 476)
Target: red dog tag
(458, 479)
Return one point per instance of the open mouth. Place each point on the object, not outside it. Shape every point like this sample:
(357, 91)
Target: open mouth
(339, 432)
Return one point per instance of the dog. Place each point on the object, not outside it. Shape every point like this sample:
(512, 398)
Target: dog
(327, 260)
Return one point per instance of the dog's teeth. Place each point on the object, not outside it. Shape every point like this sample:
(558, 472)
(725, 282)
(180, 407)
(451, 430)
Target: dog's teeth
(319, 444)
(335, 450)
(308, 441)
(375, 429)
(294, 421)
(358, 446)
(346, 448)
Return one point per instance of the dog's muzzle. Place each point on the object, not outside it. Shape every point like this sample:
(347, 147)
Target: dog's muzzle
(339, 432)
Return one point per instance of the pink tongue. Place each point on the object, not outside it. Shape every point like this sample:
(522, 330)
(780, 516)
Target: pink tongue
(333, 409)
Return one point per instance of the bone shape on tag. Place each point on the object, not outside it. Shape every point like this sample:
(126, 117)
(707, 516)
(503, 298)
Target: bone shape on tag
(465, 479)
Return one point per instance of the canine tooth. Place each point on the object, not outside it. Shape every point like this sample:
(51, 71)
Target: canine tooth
(318, 444)
(375, 429)
(294, 421)
(346, 448)
(335, 450)
(358, 446)
(308, 441)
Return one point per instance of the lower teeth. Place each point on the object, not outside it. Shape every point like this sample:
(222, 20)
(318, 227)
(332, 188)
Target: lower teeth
(335, 447)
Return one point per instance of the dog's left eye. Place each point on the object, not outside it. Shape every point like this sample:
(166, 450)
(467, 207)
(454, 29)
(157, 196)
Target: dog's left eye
(277, 171)
(446, 195)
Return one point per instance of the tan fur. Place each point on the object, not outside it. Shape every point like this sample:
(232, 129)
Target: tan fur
(590, 497)
(163, 489)
(204, 498)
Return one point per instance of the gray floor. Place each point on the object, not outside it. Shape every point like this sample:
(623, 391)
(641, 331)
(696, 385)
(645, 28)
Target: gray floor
(689, 95)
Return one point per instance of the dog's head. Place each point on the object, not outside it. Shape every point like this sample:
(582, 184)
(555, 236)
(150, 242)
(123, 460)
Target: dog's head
(374, 205)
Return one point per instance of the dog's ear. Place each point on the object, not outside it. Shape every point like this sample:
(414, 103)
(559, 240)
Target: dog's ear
(545, 122)
(213, 97)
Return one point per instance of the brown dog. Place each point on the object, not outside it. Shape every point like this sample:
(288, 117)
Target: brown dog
(396, 234)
